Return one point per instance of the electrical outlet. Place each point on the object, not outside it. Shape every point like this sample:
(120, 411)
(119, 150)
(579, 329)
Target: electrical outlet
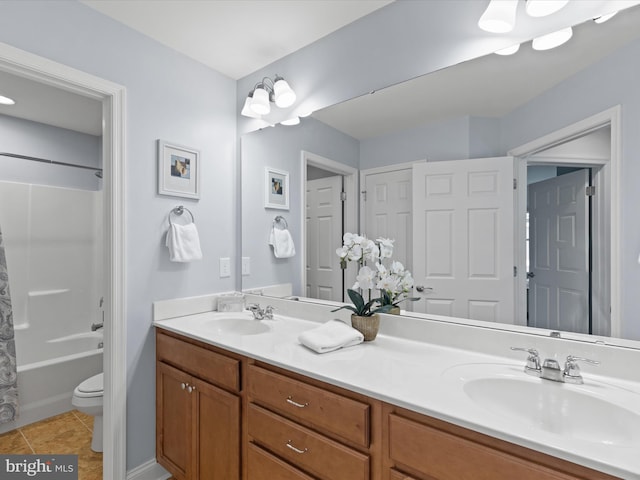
(225, 267)
(246, 266)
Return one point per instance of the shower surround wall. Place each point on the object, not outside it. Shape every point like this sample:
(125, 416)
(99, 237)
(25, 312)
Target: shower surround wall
(51, 217)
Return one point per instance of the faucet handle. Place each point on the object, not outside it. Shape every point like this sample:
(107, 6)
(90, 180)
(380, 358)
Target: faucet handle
(268, 311)
(571, 368)
(533, 360)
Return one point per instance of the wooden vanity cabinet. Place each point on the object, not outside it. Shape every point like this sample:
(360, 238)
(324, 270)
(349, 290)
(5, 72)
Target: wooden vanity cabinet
(222, 416)
(197, 421)
(418, 447)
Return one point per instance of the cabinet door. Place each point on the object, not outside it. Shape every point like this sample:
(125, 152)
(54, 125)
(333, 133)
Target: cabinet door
(174, 420)
(217, 432)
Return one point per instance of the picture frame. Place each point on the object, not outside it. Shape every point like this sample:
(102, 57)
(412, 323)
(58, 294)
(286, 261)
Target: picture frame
(276, 188)
(178, 170)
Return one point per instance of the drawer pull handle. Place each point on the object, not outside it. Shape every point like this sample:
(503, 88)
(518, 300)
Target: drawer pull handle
(296, 404)
(297, 450)
(183, 385)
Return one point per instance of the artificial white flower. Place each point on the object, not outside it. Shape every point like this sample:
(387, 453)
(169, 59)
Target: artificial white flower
(397, 268)
(365, 279)
(386, 247)
(355, 253)
(342, 251)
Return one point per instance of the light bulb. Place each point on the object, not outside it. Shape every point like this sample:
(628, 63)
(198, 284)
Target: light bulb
(499, 17)
(291, 121)
(6, 100)
(509, 50)
(260, 101)
(552, 40)
(604, 18)
(542, 8)
(284, 95)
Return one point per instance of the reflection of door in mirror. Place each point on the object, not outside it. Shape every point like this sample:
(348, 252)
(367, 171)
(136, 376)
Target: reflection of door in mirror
(324, 234)
(559, 233)
(569, 257)
(385, 210)
(463, 227)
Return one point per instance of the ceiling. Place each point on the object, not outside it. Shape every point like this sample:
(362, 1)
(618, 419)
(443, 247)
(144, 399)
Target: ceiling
(236, 37)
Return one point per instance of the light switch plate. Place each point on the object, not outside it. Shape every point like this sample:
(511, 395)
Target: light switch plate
(225, 267)
(246, 266)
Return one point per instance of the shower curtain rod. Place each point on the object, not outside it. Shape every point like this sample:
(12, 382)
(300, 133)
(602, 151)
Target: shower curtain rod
(52, 162)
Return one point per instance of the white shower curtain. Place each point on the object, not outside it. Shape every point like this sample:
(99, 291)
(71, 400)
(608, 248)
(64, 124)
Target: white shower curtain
(8, 366)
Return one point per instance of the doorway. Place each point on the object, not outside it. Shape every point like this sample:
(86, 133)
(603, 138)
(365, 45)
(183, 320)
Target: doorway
(112, 96)
(324, 175)
(592, 144)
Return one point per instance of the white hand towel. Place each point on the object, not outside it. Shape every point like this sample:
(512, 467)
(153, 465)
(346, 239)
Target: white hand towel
(331, 336)
(282, 243)
(183, 243)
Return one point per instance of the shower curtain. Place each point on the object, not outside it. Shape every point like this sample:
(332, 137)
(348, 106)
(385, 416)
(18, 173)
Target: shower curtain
(8, 365)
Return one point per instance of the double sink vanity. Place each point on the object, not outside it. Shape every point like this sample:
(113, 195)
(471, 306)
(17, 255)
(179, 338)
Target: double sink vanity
(242, 398)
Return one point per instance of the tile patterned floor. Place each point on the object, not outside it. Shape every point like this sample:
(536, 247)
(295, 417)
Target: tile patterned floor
(68, 433)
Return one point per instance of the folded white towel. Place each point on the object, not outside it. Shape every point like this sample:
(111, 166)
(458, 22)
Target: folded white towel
(282, 243)
(183, 243)
(331, 336)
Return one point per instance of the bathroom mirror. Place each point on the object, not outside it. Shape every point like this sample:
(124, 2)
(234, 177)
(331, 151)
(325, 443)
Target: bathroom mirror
(531, 94)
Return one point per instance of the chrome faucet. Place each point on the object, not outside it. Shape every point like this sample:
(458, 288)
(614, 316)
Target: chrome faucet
(259, 313)
(550, 369)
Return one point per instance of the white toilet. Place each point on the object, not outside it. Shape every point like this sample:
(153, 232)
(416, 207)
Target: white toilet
(87, 398)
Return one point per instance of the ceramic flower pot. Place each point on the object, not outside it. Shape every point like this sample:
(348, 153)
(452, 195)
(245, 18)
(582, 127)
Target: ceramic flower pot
(368, 326)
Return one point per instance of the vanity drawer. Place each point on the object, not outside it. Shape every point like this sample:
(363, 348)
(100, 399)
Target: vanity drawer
(396, 475)
(198, 361)
(310, 451)
(443, 456)
(327, 411)
(261, 465)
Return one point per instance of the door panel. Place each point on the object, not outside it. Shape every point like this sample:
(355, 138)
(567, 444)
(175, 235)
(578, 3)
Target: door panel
(463, 238)
(559, 244)
(324, 235)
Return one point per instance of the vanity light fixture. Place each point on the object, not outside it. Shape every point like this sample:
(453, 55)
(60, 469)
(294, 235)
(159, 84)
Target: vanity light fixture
(499, 17)
(509, 50)
(6, 100)
(552, 40)
(604, 18)
(259, 100)
(542, 8)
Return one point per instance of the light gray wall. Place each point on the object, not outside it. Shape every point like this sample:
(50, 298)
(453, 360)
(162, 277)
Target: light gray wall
(170, 97)
(280, 147)
(35, 139)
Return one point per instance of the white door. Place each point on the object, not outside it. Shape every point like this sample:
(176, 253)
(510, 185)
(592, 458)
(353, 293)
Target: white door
(558, 253)
(387, 211)
(463, 228)
(324, 235)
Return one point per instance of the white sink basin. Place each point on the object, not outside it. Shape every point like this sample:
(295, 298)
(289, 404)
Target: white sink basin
(594, 412)
(237, 325)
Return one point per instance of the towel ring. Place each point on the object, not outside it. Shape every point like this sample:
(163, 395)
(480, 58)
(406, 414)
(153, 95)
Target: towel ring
(179, 210)
(280, 220)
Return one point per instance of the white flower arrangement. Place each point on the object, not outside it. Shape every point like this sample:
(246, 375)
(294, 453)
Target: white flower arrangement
(394, 282)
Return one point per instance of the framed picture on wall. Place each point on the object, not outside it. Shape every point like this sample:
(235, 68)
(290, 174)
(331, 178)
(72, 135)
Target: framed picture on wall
(178, 170)
(276, 189)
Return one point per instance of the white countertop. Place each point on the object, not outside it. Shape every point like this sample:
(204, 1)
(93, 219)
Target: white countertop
(418, 376)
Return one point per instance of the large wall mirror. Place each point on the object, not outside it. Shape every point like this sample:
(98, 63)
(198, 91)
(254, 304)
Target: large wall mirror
(431, 164)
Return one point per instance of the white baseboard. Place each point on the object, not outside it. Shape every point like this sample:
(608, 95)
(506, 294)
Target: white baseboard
(150, 470)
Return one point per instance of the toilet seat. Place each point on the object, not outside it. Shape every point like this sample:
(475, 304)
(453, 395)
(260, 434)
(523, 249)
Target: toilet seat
(91, 387)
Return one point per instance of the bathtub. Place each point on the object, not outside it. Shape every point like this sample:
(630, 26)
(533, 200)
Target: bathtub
(49, 372)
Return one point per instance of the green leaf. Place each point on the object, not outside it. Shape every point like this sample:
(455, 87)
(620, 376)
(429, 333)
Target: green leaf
(357, 300)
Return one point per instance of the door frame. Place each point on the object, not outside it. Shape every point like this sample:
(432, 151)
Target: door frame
(113, 97)
(606, 179)
(350, 219)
